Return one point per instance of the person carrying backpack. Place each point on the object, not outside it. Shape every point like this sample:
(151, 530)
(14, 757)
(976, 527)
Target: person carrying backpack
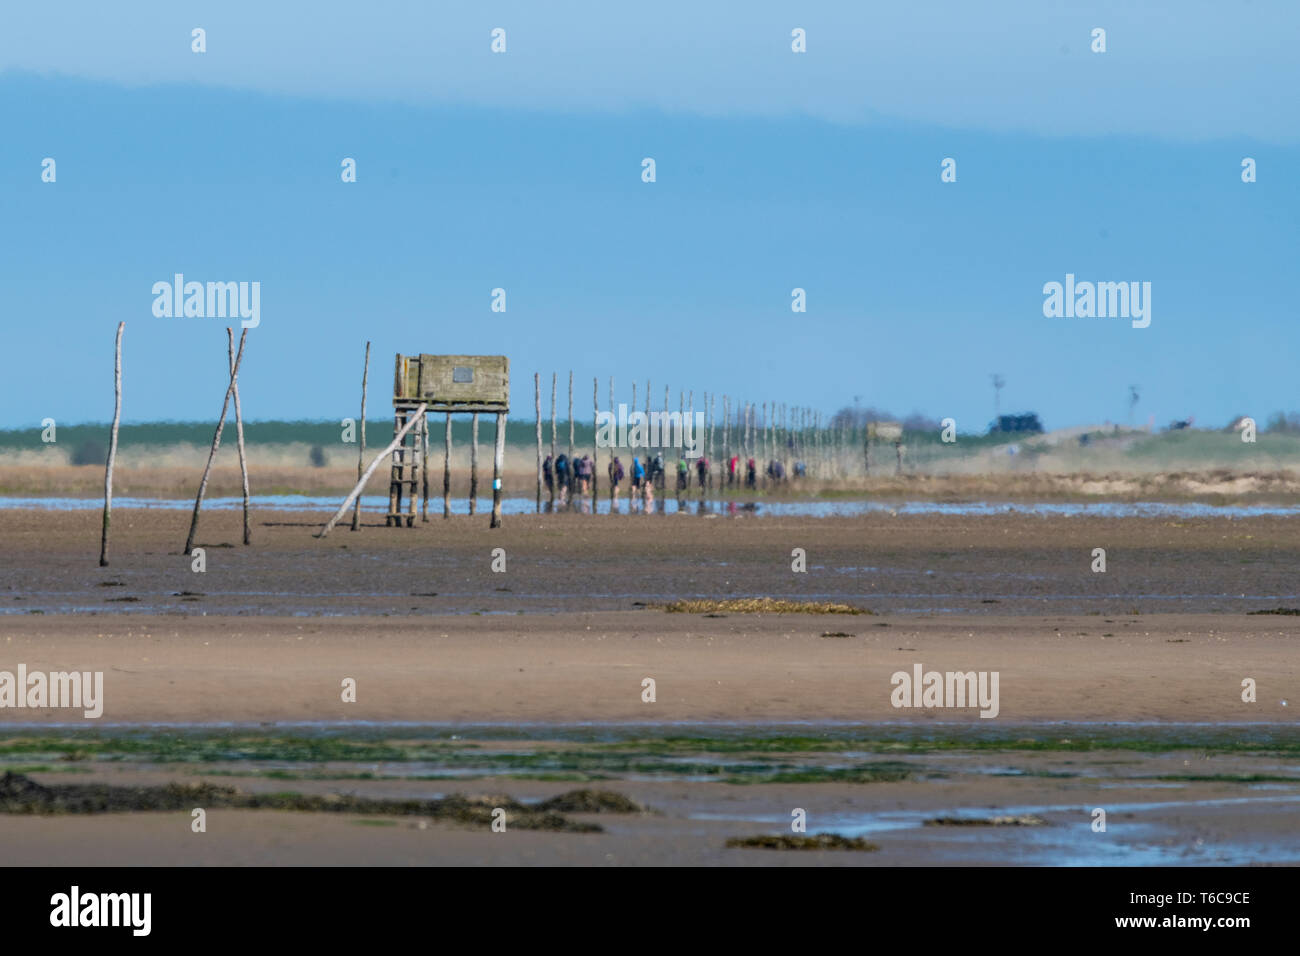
(702, 472)
(751, 474)
(562, 475)
(548, 474)
(683, 475)
(584, 475)
(615, 476)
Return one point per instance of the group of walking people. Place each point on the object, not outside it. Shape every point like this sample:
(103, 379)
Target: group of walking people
(570, 479)
(568, 476)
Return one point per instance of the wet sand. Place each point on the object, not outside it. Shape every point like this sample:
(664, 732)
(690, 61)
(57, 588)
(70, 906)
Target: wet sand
(1152, 818)
(431, 635)
(572, 667)
(918, 564)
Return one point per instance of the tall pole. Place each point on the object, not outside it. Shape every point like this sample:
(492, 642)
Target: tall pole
(537, 401)
(611, 411)
(497, 460)
(398, 438)
(595, 446)
(423, 437)
(446, 470)
(216, 443)
(726, 438)
(239, 432)
(112, 444)
(473, 459)
(713, 446)
(361, 455)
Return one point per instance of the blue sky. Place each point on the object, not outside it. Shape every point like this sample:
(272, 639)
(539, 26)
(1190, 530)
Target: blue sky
(775, 170)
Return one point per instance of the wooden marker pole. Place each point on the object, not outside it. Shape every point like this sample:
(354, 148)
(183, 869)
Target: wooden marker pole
(239, 432)
(595, 445)
(708, 420)
(615, 425)
(537, 400)
(726, 446)
(446, 470)
(216, 443)
(570, 423)
(365, 476)
(498, 459)
(361, 454)
(713, 438)
(112, 444)
(662, 437)
(554, 477)
(473, 461)
(424, 468)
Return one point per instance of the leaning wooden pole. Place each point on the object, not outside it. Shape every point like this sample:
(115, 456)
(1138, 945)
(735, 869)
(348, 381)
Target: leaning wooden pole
(216, 443)
(361, 454)
(112, 444)
(365, 476)
(537, 402)
(239, 432)
(498, 459)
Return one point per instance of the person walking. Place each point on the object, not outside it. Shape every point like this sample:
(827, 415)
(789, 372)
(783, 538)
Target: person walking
(584, 475)
(562, 476)
(615, 477)
(638, 480)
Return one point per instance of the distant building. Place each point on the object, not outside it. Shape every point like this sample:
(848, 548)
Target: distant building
(1027, 423)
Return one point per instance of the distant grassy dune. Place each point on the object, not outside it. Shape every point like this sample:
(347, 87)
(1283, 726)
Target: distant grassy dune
(165, 459)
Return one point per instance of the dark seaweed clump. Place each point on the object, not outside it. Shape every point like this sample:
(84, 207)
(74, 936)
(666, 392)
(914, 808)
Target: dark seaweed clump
(590, 801)
(818, 841)
(20, 794)
(1024, 820)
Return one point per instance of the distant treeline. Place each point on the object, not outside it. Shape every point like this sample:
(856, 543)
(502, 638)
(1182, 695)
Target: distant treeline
(88, 442)
(282, 433)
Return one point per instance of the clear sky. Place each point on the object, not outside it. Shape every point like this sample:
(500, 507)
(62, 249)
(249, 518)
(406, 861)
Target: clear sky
(775, 170)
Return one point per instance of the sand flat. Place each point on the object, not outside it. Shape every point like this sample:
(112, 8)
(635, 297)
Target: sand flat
(589, 667)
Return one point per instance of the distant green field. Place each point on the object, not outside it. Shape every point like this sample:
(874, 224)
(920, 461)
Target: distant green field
(278, 433)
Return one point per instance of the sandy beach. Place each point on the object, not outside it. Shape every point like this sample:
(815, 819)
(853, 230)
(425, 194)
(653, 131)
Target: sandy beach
(575, 667)
(1119, 690)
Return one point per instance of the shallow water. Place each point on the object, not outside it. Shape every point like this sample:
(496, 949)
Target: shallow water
(701, 772)
(1067, 839)
(374, 504)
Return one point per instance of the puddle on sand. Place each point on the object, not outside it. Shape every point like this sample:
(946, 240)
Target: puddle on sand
(324, 506)
(1067, 839)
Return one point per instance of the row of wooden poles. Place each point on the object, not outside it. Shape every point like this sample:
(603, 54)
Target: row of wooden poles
(772, 431)
(767, 431)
